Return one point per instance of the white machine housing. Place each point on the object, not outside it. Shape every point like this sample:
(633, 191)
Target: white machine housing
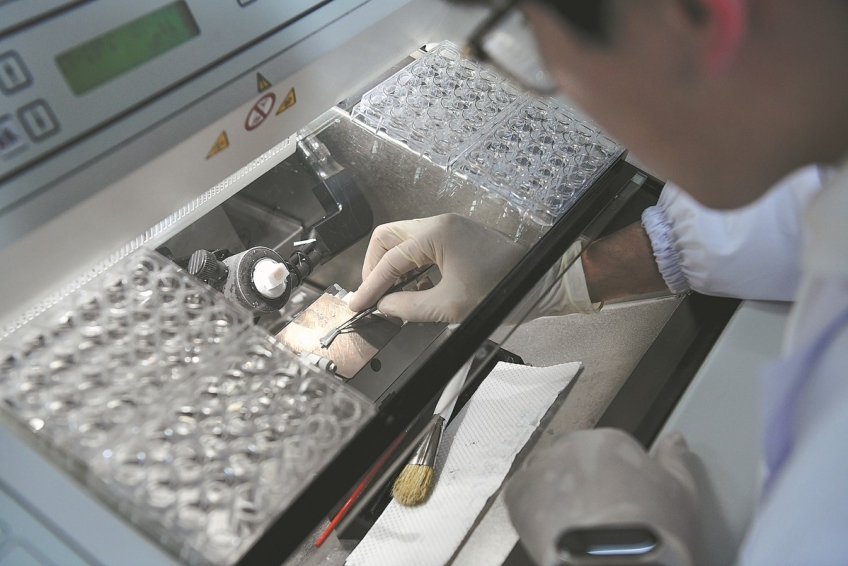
(138, 157)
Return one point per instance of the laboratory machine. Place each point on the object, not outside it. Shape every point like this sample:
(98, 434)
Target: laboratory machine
(187, 190)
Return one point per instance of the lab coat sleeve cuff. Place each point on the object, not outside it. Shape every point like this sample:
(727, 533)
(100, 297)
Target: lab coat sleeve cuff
(668, 259)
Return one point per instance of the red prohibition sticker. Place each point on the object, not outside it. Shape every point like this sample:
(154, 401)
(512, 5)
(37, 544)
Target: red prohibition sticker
(260, 111)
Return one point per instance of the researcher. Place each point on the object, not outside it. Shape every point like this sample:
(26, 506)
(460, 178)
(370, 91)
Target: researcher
(726, 97)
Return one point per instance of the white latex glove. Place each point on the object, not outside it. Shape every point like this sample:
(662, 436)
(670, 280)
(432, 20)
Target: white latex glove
(471, 258)
(603, 477)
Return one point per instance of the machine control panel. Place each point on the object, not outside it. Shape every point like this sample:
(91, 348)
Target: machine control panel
(79, 68)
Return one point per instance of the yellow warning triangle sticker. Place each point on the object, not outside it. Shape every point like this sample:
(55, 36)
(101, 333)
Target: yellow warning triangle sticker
(220, 145)
(262, 83)
(287, 102)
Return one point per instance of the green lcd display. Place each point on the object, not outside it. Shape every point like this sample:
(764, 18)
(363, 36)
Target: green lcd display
(115, 52)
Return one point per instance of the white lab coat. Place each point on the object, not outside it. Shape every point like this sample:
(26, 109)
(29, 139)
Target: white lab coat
(749, 253)
(756, 253)
(804, 513)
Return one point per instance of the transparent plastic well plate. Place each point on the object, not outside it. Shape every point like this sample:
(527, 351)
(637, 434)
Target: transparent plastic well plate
(533, 154)
(220, 460)
(94, 361)
(439, 104)
(193, 424)
(538, 159)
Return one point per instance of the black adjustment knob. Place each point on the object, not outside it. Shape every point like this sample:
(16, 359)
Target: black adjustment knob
(205, 266)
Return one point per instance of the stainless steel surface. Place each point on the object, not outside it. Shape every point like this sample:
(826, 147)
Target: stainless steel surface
(609, 344)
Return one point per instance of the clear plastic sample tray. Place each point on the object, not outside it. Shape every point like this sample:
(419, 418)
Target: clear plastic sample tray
(538, 160)
(535, 155)
(439, 104)
(159, 394)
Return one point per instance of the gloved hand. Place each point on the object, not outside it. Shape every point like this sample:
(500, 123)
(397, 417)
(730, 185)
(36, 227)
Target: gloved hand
(603, 477)
(472, 259)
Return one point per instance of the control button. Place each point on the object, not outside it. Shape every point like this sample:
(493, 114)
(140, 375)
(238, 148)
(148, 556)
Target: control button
(13, 74)
(38, 120)
(245, 2)
(11, 140)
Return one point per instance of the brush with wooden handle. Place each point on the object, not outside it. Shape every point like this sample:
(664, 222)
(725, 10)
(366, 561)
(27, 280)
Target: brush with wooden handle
(413, 484)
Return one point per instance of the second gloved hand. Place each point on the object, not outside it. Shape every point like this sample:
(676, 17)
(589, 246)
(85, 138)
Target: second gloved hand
(471, 257)
(603, 478)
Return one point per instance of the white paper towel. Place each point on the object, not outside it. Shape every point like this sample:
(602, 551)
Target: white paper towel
(475, 455)
(492, 540)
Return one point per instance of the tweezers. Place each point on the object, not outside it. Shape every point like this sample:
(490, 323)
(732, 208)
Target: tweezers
(329, 337)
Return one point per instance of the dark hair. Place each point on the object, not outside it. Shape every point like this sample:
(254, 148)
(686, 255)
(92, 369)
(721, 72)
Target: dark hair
(592, 17)
(589, 18)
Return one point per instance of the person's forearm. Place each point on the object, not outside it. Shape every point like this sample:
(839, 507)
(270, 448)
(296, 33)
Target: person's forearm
(622, 265)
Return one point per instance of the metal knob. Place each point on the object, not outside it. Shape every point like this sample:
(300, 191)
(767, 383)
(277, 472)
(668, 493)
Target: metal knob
(205, 266)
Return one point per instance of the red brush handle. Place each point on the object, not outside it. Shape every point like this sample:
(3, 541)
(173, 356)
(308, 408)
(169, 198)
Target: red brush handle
(358, 491)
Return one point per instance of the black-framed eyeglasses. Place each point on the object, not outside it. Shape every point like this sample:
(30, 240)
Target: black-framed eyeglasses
(505, 41)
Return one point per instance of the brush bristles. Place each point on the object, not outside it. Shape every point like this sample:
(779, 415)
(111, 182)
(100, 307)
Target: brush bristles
(413, 484)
